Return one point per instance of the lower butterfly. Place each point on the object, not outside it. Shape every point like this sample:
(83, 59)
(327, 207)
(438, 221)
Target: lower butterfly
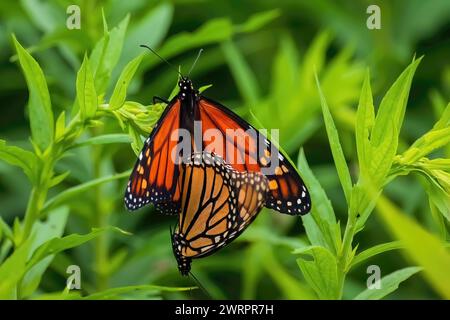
(217, 204)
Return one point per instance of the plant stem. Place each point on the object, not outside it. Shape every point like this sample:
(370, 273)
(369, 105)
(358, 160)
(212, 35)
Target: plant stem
(37, 197)
(346, 249)
(101, 220)
(32, 212)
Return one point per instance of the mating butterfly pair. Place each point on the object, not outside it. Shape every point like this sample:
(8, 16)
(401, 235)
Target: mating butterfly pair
(219, 187)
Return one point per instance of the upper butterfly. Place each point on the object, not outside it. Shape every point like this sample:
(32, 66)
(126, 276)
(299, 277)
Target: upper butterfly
(193, 123)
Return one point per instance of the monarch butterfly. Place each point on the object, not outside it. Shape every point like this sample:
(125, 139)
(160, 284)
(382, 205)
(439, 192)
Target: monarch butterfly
(217, 213)
(155, 174)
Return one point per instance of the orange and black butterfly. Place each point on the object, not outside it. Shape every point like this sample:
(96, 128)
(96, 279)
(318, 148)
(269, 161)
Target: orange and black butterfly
(156, 172)
(217, 204)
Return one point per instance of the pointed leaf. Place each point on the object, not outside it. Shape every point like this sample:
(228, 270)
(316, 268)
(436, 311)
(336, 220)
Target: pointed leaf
(12, 270)
(336, 149)
(106, 54)
(320, 224)
(393, 105)
(319, 267)
(16, 156)
(120, 91)
(116, 292)
(86, 93)
(74, 191)
(375, 250)
(425, 249)
(39, 104)
(242, 74)
(258, 20)
(56, 245)
(388, 284)
(43, 231)
(365, 118)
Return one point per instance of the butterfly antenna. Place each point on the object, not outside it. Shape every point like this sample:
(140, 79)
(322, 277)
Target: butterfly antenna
(200, 285)
(162, 59)
(195, 62)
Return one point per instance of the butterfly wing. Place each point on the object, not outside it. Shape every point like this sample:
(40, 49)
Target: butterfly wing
(217, 204)
(154, 177)
(246, 149)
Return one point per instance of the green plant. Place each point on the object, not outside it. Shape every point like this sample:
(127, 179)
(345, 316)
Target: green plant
(84, 116)
(330, 257)
(29, 248)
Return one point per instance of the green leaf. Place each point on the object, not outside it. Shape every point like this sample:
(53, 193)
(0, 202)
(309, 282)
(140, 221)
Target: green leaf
(6, 230)
(320, 224)
(258, 234)
(56, 245)
(336, 149)
(291, 287)
(375, 250)
(60, 127)
(383, 154)
(389, 284)
(74, 191)
(204, 88)
(258, 20)
(104, 139)
(106, 54)
(43, 231)
(150, 29)
(437, 195)
(86, 93)
(17, 231)
(58, 179)
(425, 249)
(365, 118)
(65, 295)
(314, 60)
(242, 74)
(393, 105)
(136, 143)
(430, 141)
(116, 261)
(444, 120)
(319, 267)
(21, 158)
(120, 91)
(252, 268)
(12, 270)
(39, 104)
(213, 31)
(438, 218)
(115, 293)
(386, 128)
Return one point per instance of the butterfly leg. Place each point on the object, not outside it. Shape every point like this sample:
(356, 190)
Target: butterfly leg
(159, 100)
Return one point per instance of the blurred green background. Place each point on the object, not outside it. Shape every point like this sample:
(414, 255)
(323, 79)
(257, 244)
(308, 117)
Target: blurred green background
(260, 58)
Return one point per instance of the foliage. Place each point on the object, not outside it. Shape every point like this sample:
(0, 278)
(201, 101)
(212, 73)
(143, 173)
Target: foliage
(326, 267)
(65, 164)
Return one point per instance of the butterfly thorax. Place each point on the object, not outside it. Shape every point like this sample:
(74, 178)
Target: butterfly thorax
(187, 91)
(189, 97)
